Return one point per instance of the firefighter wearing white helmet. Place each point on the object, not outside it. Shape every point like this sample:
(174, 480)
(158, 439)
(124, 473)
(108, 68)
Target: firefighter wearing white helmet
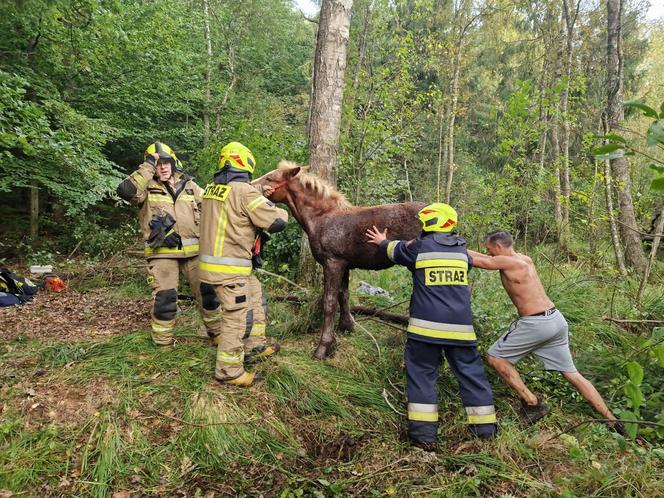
(440, 325)
(169, 203)
(233, 212)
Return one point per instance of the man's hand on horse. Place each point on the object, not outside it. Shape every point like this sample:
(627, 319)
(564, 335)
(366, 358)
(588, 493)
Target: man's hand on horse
(375, 236)
(268, 190)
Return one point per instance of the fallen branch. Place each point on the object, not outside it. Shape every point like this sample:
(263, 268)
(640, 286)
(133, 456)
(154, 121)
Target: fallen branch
(369, 334)
(377, 312)
(197, 424)
(373, 319)
(390, 404)
(603, 420)
(619, 320)
(276, 275)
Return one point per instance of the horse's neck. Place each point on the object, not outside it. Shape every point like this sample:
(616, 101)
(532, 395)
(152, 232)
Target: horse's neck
(308, 208)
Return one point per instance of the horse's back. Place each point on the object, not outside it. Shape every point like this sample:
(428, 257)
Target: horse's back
(343, 236)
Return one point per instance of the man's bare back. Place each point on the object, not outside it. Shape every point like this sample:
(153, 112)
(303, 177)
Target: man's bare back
(519, 277)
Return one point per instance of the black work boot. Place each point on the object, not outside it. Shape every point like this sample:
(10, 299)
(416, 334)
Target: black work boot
(532, 413)
(430, 446)
(261, 353)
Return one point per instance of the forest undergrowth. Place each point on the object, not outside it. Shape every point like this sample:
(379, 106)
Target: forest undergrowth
(109, 414)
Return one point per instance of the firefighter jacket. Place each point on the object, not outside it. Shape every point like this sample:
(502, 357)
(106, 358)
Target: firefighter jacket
(157, 199)
(232, 215)
(440, 305)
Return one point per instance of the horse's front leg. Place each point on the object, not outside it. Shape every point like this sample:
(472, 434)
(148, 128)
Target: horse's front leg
(333, 272)
(345, 319)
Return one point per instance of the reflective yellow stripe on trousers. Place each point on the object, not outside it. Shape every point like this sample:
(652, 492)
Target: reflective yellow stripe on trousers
(189, 247)
(481, 414)
(423, 412)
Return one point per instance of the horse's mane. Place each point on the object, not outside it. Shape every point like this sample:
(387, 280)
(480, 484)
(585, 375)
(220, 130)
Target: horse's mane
(317, 185)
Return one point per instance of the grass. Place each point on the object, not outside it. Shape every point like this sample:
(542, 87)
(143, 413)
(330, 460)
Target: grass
(160, 424)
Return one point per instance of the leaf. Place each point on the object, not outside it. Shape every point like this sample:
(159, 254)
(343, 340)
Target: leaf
(655, 133)
(638, 104)
(635, 372)
(605, 149)
(659, 169)
(657, 183)
(659, 354)
(657, 334)
(634, 394)
(614, 137)
(631, 429)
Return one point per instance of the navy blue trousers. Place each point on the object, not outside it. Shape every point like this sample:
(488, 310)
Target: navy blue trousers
(423, 360)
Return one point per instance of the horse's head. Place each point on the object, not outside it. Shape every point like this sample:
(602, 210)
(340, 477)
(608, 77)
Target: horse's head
(279, 179)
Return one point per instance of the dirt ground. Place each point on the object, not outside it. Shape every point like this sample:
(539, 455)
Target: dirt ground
(73, 316)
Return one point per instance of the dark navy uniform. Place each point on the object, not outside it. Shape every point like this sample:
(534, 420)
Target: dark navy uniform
(441, 323)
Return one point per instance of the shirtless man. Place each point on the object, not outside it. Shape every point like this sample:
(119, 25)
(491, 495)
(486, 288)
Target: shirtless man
(540, 329)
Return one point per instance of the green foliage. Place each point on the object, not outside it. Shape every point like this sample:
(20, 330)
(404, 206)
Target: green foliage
(619, 146)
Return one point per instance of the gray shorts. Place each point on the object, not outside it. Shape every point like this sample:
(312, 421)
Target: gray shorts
(544, 336)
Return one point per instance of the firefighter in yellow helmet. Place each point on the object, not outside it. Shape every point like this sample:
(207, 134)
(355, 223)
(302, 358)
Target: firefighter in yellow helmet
(169, 203)
(440, 325)
(233, 212)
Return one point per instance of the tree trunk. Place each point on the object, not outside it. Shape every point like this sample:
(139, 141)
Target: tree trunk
(570, 20)
(34, 213)
(615, 239)
(208, 71)
(454, 99)
(326, 100)
(614, 110)
(651, 259)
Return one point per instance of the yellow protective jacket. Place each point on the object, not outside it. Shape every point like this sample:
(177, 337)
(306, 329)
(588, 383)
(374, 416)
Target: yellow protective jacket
(183, 203)
(232, 214)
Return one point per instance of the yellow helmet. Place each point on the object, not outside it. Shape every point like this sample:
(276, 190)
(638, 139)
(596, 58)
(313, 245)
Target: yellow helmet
(164, 151)
(235, 155)
(437, 217)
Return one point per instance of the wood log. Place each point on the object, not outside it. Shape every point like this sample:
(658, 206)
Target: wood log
(385, 315)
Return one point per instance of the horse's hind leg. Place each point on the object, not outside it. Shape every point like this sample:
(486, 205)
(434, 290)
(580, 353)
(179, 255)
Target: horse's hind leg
(345, 319)
(333, 272)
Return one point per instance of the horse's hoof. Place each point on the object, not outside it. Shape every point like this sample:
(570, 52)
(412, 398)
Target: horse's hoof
(323, 351)
(320, 353)
(345, 327)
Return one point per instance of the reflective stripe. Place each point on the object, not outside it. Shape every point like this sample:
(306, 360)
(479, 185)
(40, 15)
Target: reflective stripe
(442, 255)
(165, 198)
(186, 250)
(189, 242)
(447, 263)
(160, 328)
(482, 419)
(186, 197)
(206, 258)
(228, 269)
(139, 179)
(480, 410)
(438, 330)
(256, 202)
(221, 231)
(423, 412)
(257, 330)
(230, 358)
(390, 249)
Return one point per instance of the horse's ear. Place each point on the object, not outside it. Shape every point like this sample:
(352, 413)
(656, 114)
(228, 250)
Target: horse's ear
(291, 172)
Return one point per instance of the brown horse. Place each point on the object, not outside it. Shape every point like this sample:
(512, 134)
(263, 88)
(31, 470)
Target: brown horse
(336, 235)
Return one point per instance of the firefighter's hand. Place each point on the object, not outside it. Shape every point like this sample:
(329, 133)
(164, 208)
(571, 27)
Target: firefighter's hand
(152, 159)
(268, 190)
(374, 236)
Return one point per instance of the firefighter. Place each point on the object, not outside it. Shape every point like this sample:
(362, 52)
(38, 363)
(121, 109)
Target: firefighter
(169, 202)
(440, 324)
(233, 211)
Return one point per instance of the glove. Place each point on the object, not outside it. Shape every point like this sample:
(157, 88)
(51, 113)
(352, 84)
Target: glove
(162, 233)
